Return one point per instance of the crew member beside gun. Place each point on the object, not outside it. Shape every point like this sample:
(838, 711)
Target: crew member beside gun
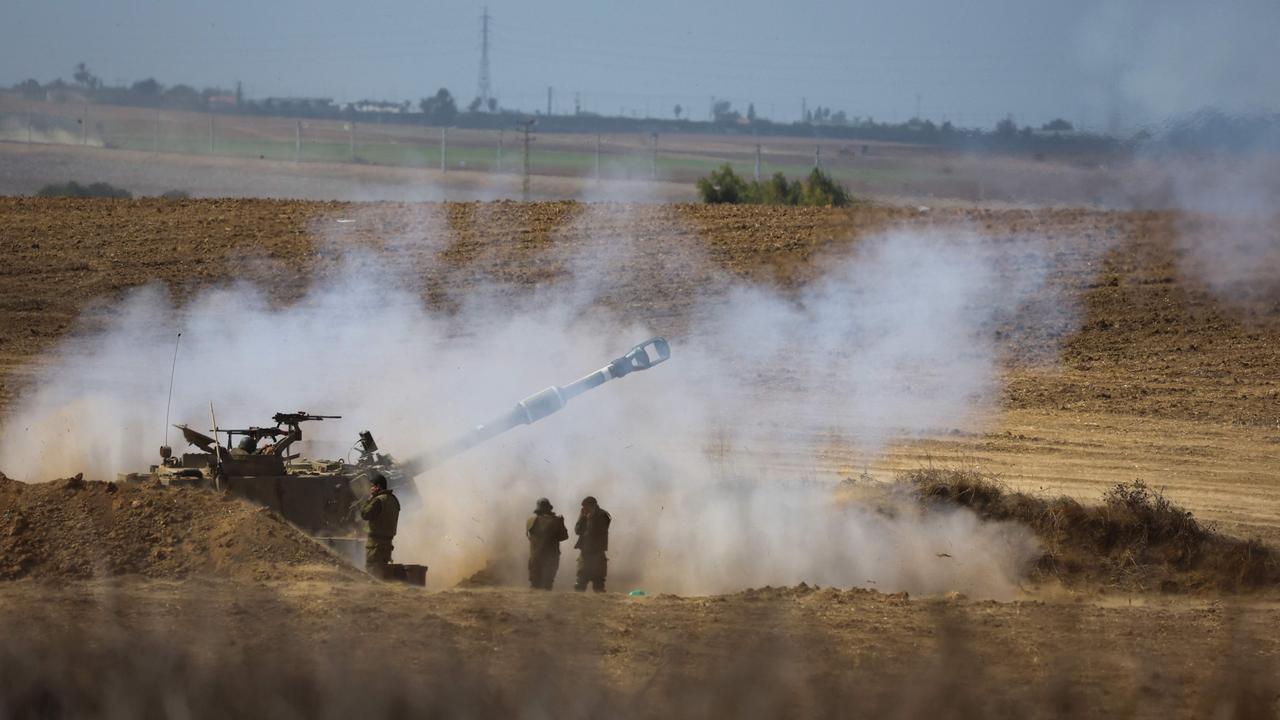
(382, 512)
(545, 530)
(592, 530)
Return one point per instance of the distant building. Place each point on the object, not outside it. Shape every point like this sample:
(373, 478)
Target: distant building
(222, 102)
(380, 106)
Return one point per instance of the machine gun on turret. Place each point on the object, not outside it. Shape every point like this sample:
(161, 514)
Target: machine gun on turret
(292, 419)
(288, 430)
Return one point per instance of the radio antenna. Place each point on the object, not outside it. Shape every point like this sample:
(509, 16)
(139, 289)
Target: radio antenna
(168, 405)
(217, 450)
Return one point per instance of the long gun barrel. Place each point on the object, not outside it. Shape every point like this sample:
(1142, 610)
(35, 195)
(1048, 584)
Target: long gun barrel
(539, 405)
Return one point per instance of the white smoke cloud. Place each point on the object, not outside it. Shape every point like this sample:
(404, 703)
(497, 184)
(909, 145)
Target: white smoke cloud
(1193, 67)
(1230, 237)
(707, 462)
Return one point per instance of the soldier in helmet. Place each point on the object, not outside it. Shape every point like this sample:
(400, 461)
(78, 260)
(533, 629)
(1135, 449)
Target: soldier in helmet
(381, 511)
(249, 443)
(545, 530)
(592, 530)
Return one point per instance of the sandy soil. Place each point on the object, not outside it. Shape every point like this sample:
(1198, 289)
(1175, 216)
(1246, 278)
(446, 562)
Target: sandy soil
(1158, 379)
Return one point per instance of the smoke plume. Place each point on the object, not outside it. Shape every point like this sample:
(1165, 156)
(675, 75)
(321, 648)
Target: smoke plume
(710, 464)
(1202, 79)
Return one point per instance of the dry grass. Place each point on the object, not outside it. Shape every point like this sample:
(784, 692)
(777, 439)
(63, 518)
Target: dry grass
(1135, 539)
(103, 667)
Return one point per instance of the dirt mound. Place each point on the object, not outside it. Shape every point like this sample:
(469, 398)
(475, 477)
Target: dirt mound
(1136, 539)
(73, 528)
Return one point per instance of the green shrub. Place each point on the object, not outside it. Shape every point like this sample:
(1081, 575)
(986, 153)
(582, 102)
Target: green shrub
(777, 190)
(723, 185)
(821, 189)
(74, 189)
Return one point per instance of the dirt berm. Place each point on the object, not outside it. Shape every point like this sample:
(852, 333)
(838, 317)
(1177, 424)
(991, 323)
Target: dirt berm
(74, 528)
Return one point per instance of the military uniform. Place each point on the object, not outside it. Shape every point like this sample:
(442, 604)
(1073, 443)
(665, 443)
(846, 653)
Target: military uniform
(592, 529)
(545, 530)
(381, 511)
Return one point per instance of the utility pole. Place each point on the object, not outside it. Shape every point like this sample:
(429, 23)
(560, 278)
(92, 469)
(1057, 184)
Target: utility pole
(444, 148)
(757, 162)
(526, 126)
(653, 163)
(482, 89)
(804, 110)
(817, 157)
(548, 101)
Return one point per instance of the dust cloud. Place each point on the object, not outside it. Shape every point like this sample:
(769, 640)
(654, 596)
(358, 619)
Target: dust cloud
(709, 463)
(1202, 79)
(1232, 238)
(20, 129)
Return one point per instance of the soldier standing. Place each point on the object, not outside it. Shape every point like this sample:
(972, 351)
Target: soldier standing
(545, 531)
(381, 511)
(592, 529)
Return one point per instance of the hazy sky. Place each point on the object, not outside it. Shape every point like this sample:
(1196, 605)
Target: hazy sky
(1089, 61)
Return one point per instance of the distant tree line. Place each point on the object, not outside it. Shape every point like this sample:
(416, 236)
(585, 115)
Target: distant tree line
(144, 93)
(1058, 136)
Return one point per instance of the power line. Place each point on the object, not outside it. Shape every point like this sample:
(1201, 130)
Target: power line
(525, 126)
